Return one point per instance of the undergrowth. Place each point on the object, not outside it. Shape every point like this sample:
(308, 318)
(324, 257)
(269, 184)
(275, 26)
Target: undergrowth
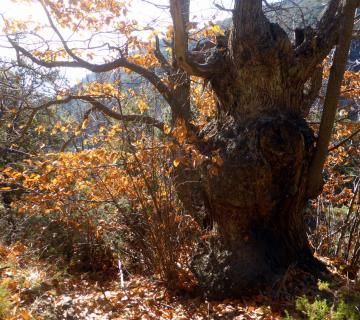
(346, 308)
(5, 299)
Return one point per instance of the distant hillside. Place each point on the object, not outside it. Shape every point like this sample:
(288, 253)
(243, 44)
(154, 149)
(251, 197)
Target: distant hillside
(292, 14)
(298, 13)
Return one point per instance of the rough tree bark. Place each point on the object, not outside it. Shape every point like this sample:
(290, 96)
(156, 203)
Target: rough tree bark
(264, 85)
(264, 90)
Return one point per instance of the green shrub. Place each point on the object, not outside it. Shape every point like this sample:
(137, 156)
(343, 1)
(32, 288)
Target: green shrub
(347, 309)
(5, 300)
(318, 310)
(323, 285)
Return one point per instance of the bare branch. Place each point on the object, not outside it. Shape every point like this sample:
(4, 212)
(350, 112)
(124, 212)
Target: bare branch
(72, 137)
(36, 110)
(122, 117)
(342, 142)
(222, 8)
(19, 152)
(160, 57)
(180, 15)
(98, 68)
(317, 44)
(64, 43)
(97, 105)
(332, 96)
(27, 125)
(159, 6)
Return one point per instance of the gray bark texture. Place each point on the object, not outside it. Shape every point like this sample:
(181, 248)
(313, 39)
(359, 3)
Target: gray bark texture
(254, 206)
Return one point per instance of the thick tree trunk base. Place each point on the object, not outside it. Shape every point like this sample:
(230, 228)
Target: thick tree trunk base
(256, 204)
(223, 273)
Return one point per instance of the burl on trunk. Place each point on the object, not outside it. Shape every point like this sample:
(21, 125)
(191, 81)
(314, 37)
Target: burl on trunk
(256, 204)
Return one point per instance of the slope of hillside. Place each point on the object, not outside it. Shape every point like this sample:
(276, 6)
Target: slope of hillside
(291, 14)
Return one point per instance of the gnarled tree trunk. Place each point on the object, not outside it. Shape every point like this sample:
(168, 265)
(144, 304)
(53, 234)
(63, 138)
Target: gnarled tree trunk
(256, 204)
(265, 86)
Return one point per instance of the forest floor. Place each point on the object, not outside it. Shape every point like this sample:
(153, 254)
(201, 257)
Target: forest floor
(37, 290)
